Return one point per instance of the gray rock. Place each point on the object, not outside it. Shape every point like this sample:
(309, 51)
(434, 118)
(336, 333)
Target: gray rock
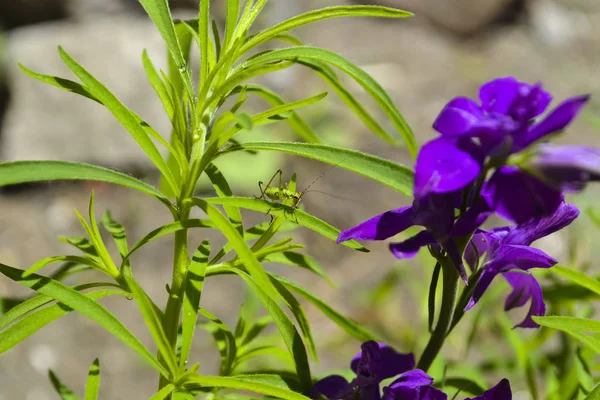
(44, 122)
(460, 16)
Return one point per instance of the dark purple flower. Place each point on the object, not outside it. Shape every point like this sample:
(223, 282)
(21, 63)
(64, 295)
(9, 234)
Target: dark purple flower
(506, 251)
(503, 124)
(373, 364)
(435, 212)
(505, 120)
(519, 196)
(499, 392)
(567, 168)
(413, 385)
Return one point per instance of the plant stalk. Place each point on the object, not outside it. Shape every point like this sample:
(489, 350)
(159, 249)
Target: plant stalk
(450, 281)
(174, 303)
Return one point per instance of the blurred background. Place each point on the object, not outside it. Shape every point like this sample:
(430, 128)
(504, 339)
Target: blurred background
(449, 48)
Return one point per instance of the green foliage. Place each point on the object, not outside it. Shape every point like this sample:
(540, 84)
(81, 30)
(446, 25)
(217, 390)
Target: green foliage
(208, 110)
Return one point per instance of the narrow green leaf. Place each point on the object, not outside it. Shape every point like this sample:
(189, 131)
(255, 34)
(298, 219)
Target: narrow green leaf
(158, 85)
(86, 306)
(61, 83)
(63, 391)
(96, 238)
(153, 321)
(300, 316)
(163, 393)
(37, 171)
(73, 259)
(240, 246)
(295, 122)
(594, 394)
(292, 214)
(245, 382)
(233, 11)
(92, 385)
(361, 77)
(82, 244)
(117, 231)
(217, 42)
(431, 299)
(251, 331)
(223, 190)
(569, 323)
(323, 14)
(204, 38)
(122, 114)
(393, 175)
(302, 261)
(224, 339)
(329, 76)
(194, 282)
(167, 229)
(36, 320)
(288, 331)
(262, 351)
(159, 12)
(577, 277)
(465, 385)
(352, 328)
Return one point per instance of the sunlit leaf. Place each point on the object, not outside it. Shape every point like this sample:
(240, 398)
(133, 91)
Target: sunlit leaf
(393, 175)
(37, 171)
(84, 305)
(294, 215)
(92, 385)
(361, 77)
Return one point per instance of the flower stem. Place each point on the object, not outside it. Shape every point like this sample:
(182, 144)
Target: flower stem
(174, 303)
(450, 281)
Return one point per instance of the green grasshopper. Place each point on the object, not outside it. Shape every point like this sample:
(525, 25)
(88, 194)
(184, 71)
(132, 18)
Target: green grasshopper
(282, 194)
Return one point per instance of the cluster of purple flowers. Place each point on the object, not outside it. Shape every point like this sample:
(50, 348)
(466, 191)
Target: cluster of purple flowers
(377, 362)
(493, 158)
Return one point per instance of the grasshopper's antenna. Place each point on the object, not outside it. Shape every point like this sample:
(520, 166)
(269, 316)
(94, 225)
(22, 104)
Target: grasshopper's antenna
(332, 167)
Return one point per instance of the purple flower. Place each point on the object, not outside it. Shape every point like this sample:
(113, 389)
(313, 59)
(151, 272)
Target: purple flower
(566, 168)
(499, 392)
(505, 120)
(435, 212)
(373, 364)
(504, 124)
(413, 385)
(506, 251)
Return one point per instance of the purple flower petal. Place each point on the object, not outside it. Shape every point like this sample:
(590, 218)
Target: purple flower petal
(499, 392)
(381, 361)
(412, 380)
(380, 227)
(556, 121)
(525, 287)
(413, 385)
(442, 168)
(472, 219)
(459, 117)
(535, 229)
(531, 102)
(487, 276)
(498, 95)
(520, 197)
(410, 247)
(565, 167)
(331, 386)
(522, 257)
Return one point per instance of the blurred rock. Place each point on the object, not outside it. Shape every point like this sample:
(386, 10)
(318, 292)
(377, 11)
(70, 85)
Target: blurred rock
(459, 16)
(44, 122)
(14, 13)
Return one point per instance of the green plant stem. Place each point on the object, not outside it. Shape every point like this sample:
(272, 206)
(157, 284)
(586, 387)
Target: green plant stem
(174, 303)
(450, 281)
